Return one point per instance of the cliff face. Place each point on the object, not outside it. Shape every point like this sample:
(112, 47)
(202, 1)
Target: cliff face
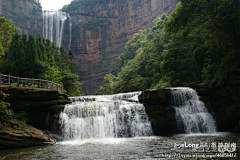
(25, 14)
(101, 29)
(38, 104)
(160, 112)
(15, 138)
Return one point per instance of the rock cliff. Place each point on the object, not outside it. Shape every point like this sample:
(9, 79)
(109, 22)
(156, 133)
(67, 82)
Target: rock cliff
(160, 111)
(221, 103)
(42, 106)
(101, 29)
(15, 138)
(25, 14)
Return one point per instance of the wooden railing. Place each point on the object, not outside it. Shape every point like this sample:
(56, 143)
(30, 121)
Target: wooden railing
(29, 82)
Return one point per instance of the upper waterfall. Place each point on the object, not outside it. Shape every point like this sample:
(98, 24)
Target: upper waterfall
(53, 26)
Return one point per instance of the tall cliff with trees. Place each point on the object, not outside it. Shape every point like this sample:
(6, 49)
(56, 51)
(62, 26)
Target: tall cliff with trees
(198, 45)
(101, 28)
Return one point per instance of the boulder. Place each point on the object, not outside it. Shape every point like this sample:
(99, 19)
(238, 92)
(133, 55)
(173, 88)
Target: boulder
(42, 106)
(27, 137)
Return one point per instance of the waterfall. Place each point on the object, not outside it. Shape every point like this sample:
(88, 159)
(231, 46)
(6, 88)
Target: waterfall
(70, 32)
(104, 117)
(53, 26)
(191, 112)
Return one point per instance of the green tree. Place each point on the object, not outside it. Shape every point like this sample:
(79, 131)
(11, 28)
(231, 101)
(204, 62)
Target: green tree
(107, 85)
(72, 63)
(139, 64)
(12, 61)
(210, 31)
(6, 31)
(34, 57)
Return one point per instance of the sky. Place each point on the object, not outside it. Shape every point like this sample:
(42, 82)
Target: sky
(53, 4)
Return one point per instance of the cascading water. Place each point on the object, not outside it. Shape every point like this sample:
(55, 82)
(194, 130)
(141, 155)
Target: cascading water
(104, 117)
(53, 25)
(191, 112)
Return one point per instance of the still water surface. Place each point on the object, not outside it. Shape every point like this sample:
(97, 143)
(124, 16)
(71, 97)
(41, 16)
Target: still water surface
(186, 146)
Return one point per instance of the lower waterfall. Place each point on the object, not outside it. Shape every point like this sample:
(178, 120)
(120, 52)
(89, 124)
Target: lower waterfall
(191, 113)
(104, 117)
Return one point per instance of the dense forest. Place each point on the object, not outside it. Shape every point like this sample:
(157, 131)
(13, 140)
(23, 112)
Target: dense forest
(35, 57)
(197, 43)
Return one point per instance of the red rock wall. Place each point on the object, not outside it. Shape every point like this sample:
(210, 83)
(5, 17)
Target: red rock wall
(25, 14)
(101, 31)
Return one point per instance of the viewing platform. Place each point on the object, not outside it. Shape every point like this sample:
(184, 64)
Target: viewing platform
(11, 81)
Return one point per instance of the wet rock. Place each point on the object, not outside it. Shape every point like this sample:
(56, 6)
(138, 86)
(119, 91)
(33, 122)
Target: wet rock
(39, 105)
(30, 136)
(160, 112)
(156, 96)
(25, 15)
(223, 104)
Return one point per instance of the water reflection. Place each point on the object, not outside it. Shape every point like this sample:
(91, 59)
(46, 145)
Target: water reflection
(172, 147)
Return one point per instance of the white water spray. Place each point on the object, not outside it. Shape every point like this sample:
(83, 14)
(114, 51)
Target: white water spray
(104, 117)
(191, 112)
(53, 26)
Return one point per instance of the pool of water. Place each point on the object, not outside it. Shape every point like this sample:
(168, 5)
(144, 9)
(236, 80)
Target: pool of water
(185, 146)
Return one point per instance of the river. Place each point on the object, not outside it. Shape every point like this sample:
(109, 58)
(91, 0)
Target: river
(107, 127)
(185, 146)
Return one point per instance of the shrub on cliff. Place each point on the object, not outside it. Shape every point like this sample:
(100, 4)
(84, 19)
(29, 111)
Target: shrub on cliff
(5, 113)
(6, 31)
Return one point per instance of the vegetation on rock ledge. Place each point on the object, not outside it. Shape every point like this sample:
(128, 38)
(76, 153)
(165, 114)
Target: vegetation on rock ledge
(7, 114)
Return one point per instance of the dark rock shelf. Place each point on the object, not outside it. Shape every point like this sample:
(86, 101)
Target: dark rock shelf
(160, 112)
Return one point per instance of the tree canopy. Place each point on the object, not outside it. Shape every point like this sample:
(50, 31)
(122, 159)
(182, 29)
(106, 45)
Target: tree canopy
(6, 31)
(198, 44)
(139, 64)
(35, 57)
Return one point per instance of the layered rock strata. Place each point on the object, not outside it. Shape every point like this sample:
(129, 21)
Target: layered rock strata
(25, 15)
(42, 106)
(30, 136)
(102, 28)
